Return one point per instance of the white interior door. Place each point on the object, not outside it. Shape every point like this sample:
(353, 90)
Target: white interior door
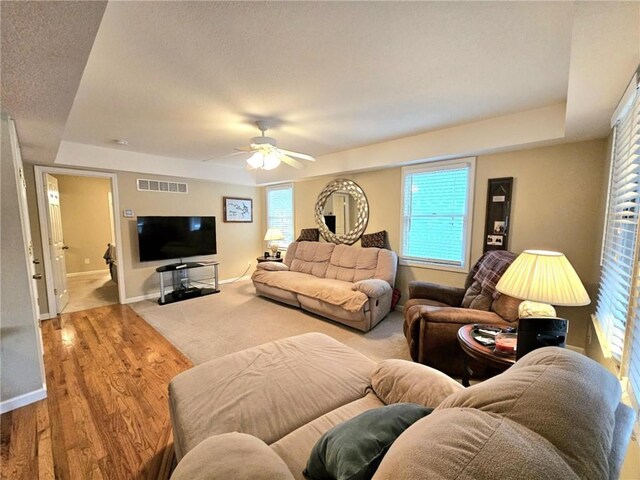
(26, 229)
(56, 243)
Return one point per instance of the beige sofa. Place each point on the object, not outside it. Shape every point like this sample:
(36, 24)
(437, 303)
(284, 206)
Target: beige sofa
(351, 285)
(257, 414)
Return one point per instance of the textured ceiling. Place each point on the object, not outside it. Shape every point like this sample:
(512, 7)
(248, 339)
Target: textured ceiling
(45, 46)
(185, 79)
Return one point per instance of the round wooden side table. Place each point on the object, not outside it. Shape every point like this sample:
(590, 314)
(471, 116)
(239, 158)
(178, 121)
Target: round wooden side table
(485, 355)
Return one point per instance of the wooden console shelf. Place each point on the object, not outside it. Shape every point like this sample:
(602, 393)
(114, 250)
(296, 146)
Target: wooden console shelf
(181, 285)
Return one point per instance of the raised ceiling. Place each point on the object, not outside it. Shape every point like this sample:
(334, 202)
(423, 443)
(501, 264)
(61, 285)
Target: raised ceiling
(186, 79)
(360, 85)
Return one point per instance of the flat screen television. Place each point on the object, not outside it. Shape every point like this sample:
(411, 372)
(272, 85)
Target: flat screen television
(163, 238)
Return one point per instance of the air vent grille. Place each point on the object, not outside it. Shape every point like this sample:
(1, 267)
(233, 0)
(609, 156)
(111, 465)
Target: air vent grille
(145, 185)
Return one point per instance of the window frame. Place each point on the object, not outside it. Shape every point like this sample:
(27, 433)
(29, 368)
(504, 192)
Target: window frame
(468, 162)
(281, 186)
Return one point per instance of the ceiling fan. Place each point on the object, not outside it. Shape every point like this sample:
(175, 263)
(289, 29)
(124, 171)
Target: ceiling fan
(266, 155)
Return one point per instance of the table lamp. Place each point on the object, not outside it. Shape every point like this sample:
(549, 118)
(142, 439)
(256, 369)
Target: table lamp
(542, 278)
(272, 235)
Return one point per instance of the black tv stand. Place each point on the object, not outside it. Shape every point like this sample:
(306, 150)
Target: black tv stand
(180, 291)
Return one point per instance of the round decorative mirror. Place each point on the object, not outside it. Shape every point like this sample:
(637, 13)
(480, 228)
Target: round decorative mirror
(342, 212)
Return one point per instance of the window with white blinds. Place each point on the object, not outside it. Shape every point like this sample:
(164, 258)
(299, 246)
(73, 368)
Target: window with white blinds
(436, 210)
(280, 212)
(621, 232)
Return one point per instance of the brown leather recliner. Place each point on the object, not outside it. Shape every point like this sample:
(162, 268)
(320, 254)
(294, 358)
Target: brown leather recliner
(434, 313)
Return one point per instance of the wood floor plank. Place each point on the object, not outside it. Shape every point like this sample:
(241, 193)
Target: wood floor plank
(106, 412)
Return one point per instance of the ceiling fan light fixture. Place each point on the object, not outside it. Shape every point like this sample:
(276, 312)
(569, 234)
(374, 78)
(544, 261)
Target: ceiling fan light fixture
(271, 161)
(256, 160)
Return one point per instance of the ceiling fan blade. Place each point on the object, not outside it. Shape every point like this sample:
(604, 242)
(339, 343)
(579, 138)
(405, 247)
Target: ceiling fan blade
(303, 156)
(290, 161)
(224, 156)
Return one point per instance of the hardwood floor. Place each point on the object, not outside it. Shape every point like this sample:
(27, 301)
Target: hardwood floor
(106, 414)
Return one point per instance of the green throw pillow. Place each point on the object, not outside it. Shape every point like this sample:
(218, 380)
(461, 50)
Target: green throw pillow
(353, 449)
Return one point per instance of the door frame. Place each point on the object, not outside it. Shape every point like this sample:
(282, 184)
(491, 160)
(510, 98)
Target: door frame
(40, 170)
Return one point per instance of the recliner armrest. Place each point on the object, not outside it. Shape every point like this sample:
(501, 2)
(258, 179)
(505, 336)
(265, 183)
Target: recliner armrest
(272, 267)
(232, 456)
(459, 316)
(440, 293)
(372, 287)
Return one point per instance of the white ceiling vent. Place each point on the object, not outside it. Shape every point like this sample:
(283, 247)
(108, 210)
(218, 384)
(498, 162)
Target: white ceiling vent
(145, 185)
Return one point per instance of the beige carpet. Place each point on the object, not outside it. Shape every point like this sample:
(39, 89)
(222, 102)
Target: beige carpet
(90, 291)
(236, 318)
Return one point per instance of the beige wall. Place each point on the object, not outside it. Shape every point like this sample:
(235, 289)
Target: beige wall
(86, 225)
(556, 205)
(238, 244)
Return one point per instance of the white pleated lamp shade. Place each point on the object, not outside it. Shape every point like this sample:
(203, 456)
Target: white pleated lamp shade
(542, 276)
(274, 234)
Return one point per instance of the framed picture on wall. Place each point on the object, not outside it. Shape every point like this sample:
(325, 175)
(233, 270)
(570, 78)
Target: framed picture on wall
(238, 210)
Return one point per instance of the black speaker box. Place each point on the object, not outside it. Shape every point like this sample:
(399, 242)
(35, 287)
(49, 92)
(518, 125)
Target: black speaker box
(537, 332)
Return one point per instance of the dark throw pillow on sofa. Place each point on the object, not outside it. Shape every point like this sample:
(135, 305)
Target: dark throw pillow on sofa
(353, 449)
(377, 239)
(309, 235)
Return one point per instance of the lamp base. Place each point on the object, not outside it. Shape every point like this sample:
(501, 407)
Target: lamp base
(274, 248)
(529, 309)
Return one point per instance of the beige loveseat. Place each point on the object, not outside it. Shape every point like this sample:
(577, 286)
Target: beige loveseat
(257, 414)
(351, 285)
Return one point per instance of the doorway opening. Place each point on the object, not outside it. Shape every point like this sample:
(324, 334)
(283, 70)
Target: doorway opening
(80, 238)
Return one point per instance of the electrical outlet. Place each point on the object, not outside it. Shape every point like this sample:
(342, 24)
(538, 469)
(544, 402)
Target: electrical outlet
(87, 261)
(249, 263)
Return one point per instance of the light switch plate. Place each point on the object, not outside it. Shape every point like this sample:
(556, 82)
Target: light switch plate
(128, 213)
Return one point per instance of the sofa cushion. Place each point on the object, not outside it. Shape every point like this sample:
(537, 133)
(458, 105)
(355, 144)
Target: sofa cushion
(352, 264)
(296, 447)
(396, 381)
(335, 292)
(539, 393)
(266, 391)
(353, 449)
(467, 444)
(312, 258)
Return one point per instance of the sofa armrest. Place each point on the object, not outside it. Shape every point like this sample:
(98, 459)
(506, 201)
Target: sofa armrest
(372, 288)
(459, 316)
(396, 381)
(232, 456)
(272, 267)
(440, 293)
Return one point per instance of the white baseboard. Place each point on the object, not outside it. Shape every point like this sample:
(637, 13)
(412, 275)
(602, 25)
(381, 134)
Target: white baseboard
(23, 400)
(92, 272)
(45, 316)
(155, 295)
(399, 308)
